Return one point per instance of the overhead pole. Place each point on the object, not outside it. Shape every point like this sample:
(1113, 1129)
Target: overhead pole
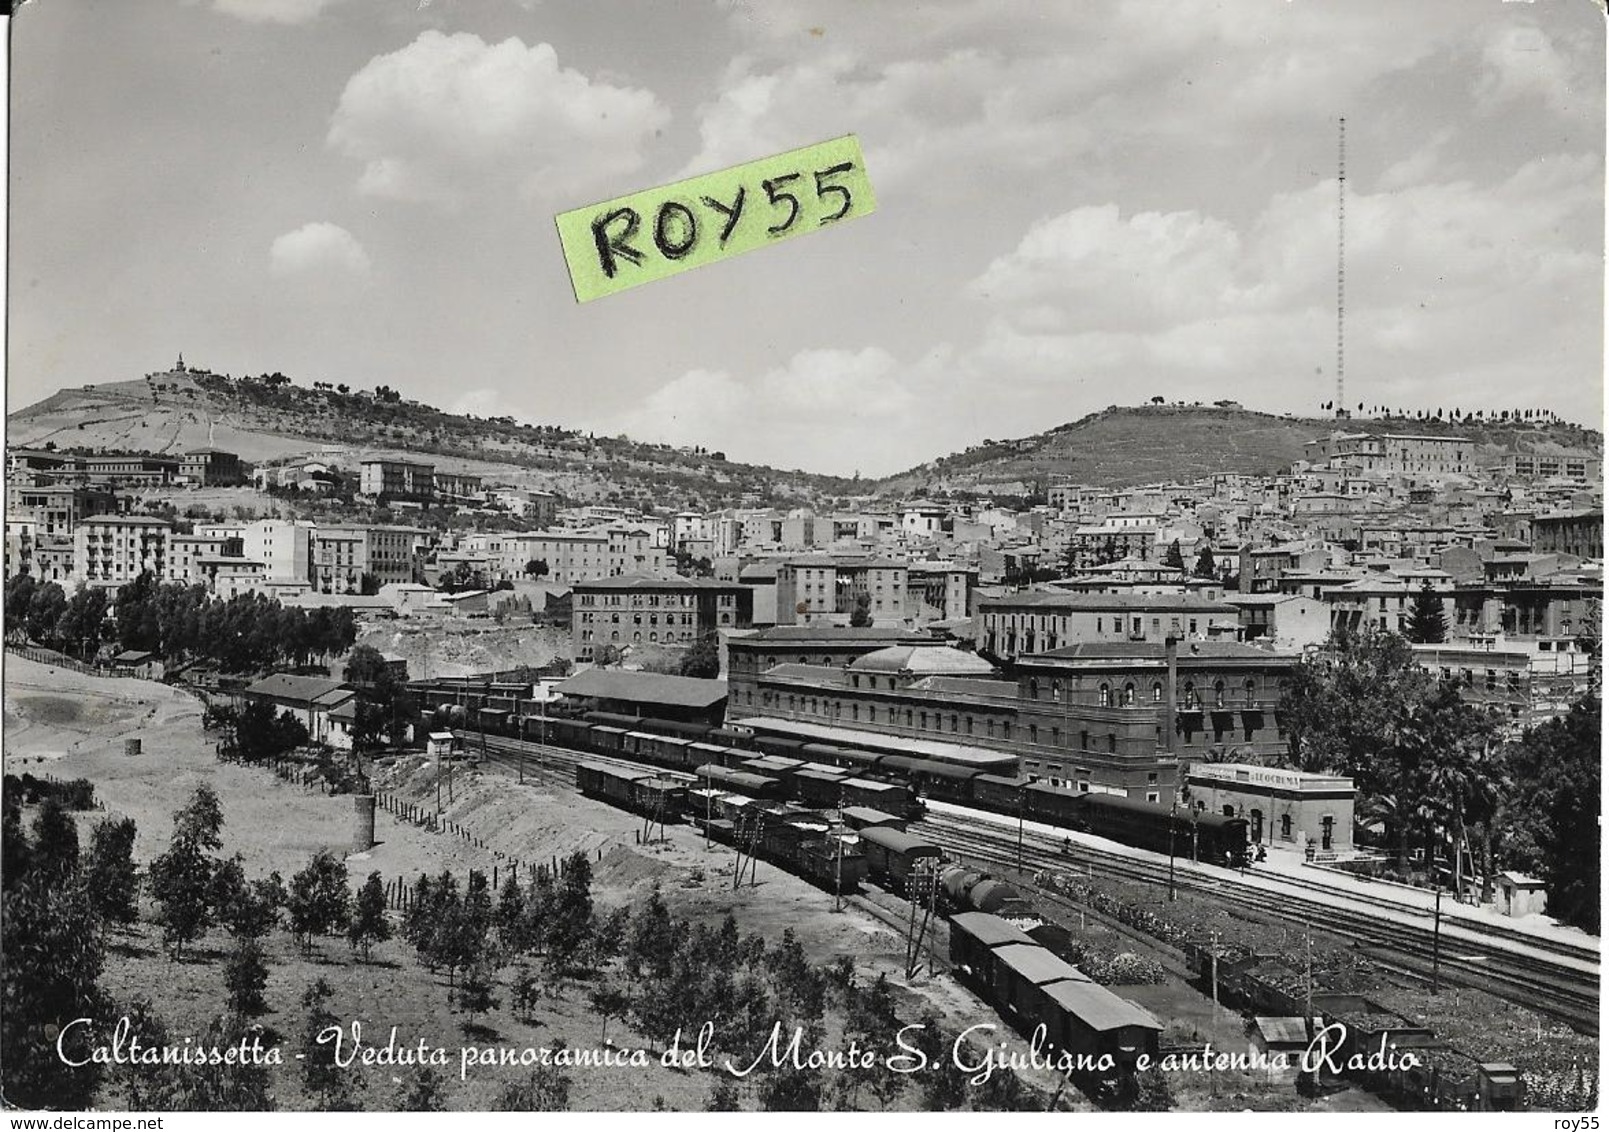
(1340, 275)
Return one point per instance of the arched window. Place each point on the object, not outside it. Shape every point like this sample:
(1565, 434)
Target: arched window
(1128, 695)
(1251, 691)
(1156, 692)
(1033, 687)
(653, 638)
(1190, 698)
(1106, 695)
(1218, 694)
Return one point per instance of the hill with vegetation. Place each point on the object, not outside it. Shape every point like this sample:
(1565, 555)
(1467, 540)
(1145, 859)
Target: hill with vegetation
(269, 418)
(1126, 445)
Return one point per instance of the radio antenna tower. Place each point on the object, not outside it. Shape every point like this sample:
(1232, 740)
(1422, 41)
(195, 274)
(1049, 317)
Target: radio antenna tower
(1340, 278)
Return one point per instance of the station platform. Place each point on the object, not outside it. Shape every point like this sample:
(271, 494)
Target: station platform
(1286, 871)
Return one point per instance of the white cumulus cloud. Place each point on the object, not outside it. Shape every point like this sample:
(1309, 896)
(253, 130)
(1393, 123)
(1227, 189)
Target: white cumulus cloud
(450, 118)
(319, 248)
(273, 11)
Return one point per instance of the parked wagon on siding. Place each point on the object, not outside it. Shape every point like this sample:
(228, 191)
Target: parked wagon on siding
(974, 937)
(740, 782)
(890, 797)
(612, 784)
(847, 757)
(891, 856)
(865, 817)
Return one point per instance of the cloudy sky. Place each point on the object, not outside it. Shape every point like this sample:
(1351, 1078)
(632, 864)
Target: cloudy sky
(1079, 205)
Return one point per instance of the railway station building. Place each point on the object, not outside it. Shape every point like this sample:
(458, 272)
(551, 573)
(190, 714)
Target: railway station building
(1283, 807)
(1091, 718)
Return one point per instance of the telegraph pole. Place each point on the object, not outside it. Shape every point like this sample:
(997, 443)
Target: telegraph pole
(1173, 813)
(1435, 948)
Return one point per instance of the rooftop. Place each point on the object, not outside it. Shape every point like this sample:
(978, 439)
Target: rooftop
(644, 688)
(649, 582)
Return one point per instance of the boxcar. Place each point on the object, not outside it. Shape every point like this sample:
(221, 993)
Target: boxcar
(817, 788)
(865, 817)
(609, 783)
(1021, 970)
(974, 936)
(661, 798)
(832, 864)
(1086, 1018)
(846, 757)
(891, 855)
(742, 782)
(608, 740)
(890, 797)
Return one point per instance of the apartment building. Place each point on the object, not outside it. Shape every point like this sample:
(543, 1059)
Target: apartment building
(116, 549)
(637, 609)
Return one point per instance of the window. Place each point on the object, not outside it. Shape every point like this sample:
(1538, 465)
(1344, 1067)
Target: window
(1152, 796)
(1111, 744)
(1151, 778)
(1128, 695)
(1285, 826)
(1156, 693)
(1106, 695)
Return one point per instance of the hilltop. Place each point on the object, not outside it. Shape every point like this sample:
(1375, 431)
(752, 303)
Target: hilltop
(1125, 445)
(269, 418)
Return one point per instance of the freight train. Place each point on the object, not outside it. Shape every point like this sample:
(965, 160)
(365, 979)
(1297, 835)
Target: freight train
(831, 775)
(998, 942)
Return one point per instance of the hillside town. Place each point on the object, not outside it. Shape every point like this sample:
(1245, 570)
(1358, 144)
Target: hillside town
(1492, 569)
(1165, 667)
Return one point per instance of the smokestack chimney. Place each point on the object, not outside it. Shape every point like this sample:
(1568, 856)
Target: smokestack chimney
(1170, 727)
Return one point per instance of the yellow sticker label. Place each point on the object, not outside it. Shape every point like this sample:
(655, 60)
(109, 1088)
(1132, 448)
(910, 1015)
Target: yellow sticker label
(649, 235)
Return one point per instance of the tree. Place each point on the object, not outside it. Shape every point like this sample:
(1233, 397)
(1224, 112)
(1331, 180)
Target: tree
(607, 655)
(45, 610)
(1205, 566)
(1363, 707)
(425, 1093)
(1549, 823)
(55, 847)
(19, 599)
(319, 901)
(475, 996)
(547, 1089)
(182, 877)
(1427, 619)
(703, 660)
(1175, 557)
(861, 616)
(332, 1087)
(49, 935)
(110, 874)
(536, 568)
(526, 991)
(369, 924)
(245, 976)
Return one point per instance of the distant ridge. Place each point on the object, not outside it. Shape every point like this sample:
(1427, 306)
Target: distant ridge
(270, 417)
(1126, 445)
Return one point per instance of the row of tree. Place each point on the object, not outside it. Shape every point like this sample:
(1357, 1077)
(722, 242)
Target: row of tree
(176, 622)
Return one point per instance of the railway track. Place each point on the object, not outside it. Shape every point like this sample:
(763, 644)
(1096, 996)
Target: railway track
(1551, 976)
(1562, 992)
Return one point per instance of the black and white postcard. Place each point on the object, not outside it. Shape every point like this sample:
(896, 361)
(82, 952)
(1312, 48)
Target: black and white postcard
(727, 555)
